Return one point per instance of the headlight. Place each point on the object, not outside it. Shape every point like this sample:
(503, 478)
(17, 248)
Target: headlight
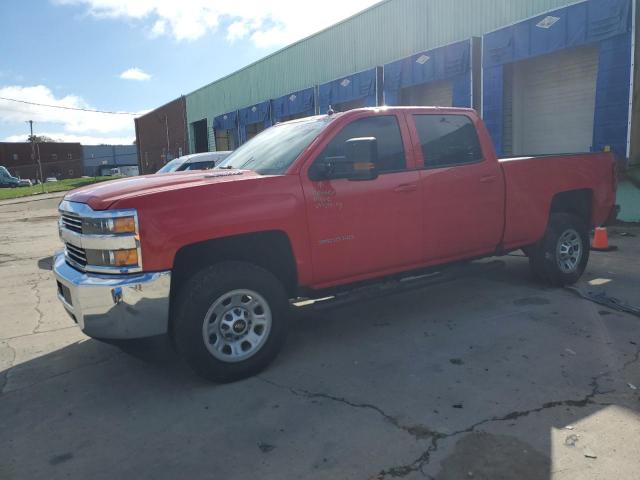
(108, 226)
(113, 258)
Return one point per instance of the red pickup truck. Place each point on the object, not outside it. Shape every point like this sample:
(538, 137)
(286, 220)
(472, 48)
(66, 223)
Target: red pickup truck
(213, 258)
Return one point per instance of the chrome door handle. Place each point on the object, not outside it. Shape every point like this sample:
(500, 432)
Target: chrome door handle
(406, 188)
(488, 179)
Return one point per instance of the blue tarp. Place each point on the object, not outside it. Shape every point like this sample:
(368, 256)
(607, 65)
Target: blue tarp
(451, 62)
(611, 120)
(358, 86)
(603, 22)
(259, 113)
(228, 121)
(493, 104)
(300, 103)
(586, 22)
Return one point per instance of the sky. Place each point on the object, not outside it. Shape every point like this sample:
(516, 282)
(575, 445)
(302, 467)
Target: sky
(133, 56)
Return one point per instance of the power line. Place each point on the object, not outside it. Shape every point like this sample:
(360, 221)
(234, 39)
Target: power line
(67, 108)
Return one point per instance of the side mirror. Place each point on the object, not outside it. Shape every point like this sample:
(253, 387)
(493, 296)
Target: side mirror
(362, 157)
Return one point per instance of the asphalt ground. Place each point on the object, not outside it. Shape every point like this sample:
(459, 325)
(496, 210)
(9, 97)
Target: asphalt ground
(485, 376)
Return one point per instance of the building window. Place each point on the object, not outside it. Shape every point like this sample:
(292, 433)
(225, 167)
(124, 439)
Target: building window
(15, 157)
(69, 156)
(54, 156)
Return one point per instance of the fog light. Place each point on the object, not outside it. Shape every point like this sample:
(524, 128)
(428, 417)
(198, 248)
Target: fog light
(113, 258)
(124, 258)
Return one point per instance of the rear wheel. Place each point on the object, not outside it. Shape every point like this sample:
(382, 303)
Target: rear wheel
(561, 257)
(230, 321)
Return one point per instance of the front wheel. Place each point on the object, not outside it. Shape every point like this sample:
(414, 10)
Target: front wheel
(561, 257)
(230, 321)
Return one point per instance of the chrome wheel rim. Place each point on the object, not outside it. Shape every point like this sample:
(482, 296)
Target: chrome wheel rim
(236, 325)
(569, 251)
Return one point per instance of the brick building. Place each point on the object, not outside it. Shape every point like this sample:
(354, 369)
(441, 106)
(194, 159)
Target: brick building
(60, 160)
(161, 135)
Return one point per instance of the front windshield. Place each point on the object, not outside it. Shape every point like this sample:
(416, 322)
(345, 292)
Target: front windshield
(275, 149)
(171, 166)
(4, 172)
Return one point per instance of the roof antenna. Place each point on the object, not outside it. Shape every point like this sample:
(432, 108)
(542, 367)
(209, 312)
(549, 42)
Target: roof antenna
(331, 111)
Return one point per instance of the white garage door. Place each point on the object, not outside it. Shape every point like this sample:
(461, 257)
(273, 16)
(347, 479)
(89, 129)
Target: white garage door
(554, 102)
(436, 94)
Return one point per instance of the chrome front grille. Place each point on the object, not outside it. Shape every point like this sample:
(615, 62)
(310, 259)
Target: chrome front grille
(76, 254)
(71, 222)
(91, 245)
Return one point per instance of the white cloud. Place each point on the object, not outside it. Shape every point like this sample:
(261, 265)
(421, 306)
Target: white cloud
(236, 31)
(135, 74)
(159, 28)
(266, 23)
(83, 139)
(73, 123)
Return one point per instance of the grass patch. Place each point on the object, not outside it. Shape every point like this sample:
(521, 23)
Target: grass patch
(51, 187)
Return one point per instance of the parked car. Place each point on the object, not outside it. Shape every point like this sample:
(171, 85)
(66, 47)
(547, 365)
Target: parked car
(9, 181)
(308, 207)
(195, 161)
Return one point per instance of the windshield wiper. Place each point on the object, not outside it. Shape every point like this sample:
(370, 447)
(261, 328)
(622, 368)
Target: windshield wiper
(248, 162)
(227, 167)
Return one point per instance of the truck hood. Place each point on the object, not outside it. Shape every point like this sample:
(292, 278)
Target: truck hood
(101, 196)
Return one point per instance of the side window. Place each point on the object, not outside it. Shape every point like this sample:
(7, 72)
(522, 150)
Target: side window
(385, 129)
(448, 140)
(200, 166)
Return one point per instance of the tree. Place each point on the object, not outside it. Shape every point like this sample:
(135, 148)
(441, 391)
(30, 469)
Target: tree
(40, 139)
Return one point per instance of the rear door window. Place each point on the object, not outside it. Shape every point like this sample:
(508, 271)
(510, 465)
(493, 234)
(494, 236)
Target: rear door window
(448, 140)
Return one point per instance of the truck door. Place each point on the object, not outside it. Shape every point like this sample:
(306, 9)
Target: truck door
(462, 190)
(358, 228)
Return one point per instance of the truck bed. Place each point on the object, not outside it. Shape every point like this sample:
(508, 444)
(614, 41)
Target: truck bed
(531, 184)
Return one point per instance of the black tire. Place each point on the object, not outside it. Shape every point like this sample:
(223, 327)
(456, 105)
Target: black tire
(544, 257)
(201, 292)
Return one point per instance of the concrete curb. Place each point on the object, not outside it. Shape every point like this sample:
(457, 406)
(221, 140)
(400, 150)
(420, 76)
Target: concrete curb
(33, 198)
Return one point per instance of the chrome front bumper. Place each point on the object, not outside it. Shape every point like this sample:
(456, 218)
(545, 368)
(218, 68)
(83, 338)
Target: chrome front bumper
(114, 306)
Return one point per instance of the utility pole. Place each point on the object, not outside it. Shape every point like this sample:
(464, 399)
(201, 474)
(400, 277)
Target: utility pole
(166, 126)
(33, 153)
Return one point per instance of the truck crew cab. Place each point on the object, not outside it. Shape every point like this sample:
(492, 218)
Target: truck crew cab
(213, 258)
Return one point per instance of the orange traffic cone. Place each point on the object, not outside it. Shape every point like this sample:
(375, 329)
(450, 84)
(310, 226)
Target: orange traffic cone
(601, 241)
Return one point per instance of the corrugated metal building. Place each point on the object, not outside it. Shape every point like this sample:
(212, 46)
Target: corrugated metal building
(100, 159)
(388, 31)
